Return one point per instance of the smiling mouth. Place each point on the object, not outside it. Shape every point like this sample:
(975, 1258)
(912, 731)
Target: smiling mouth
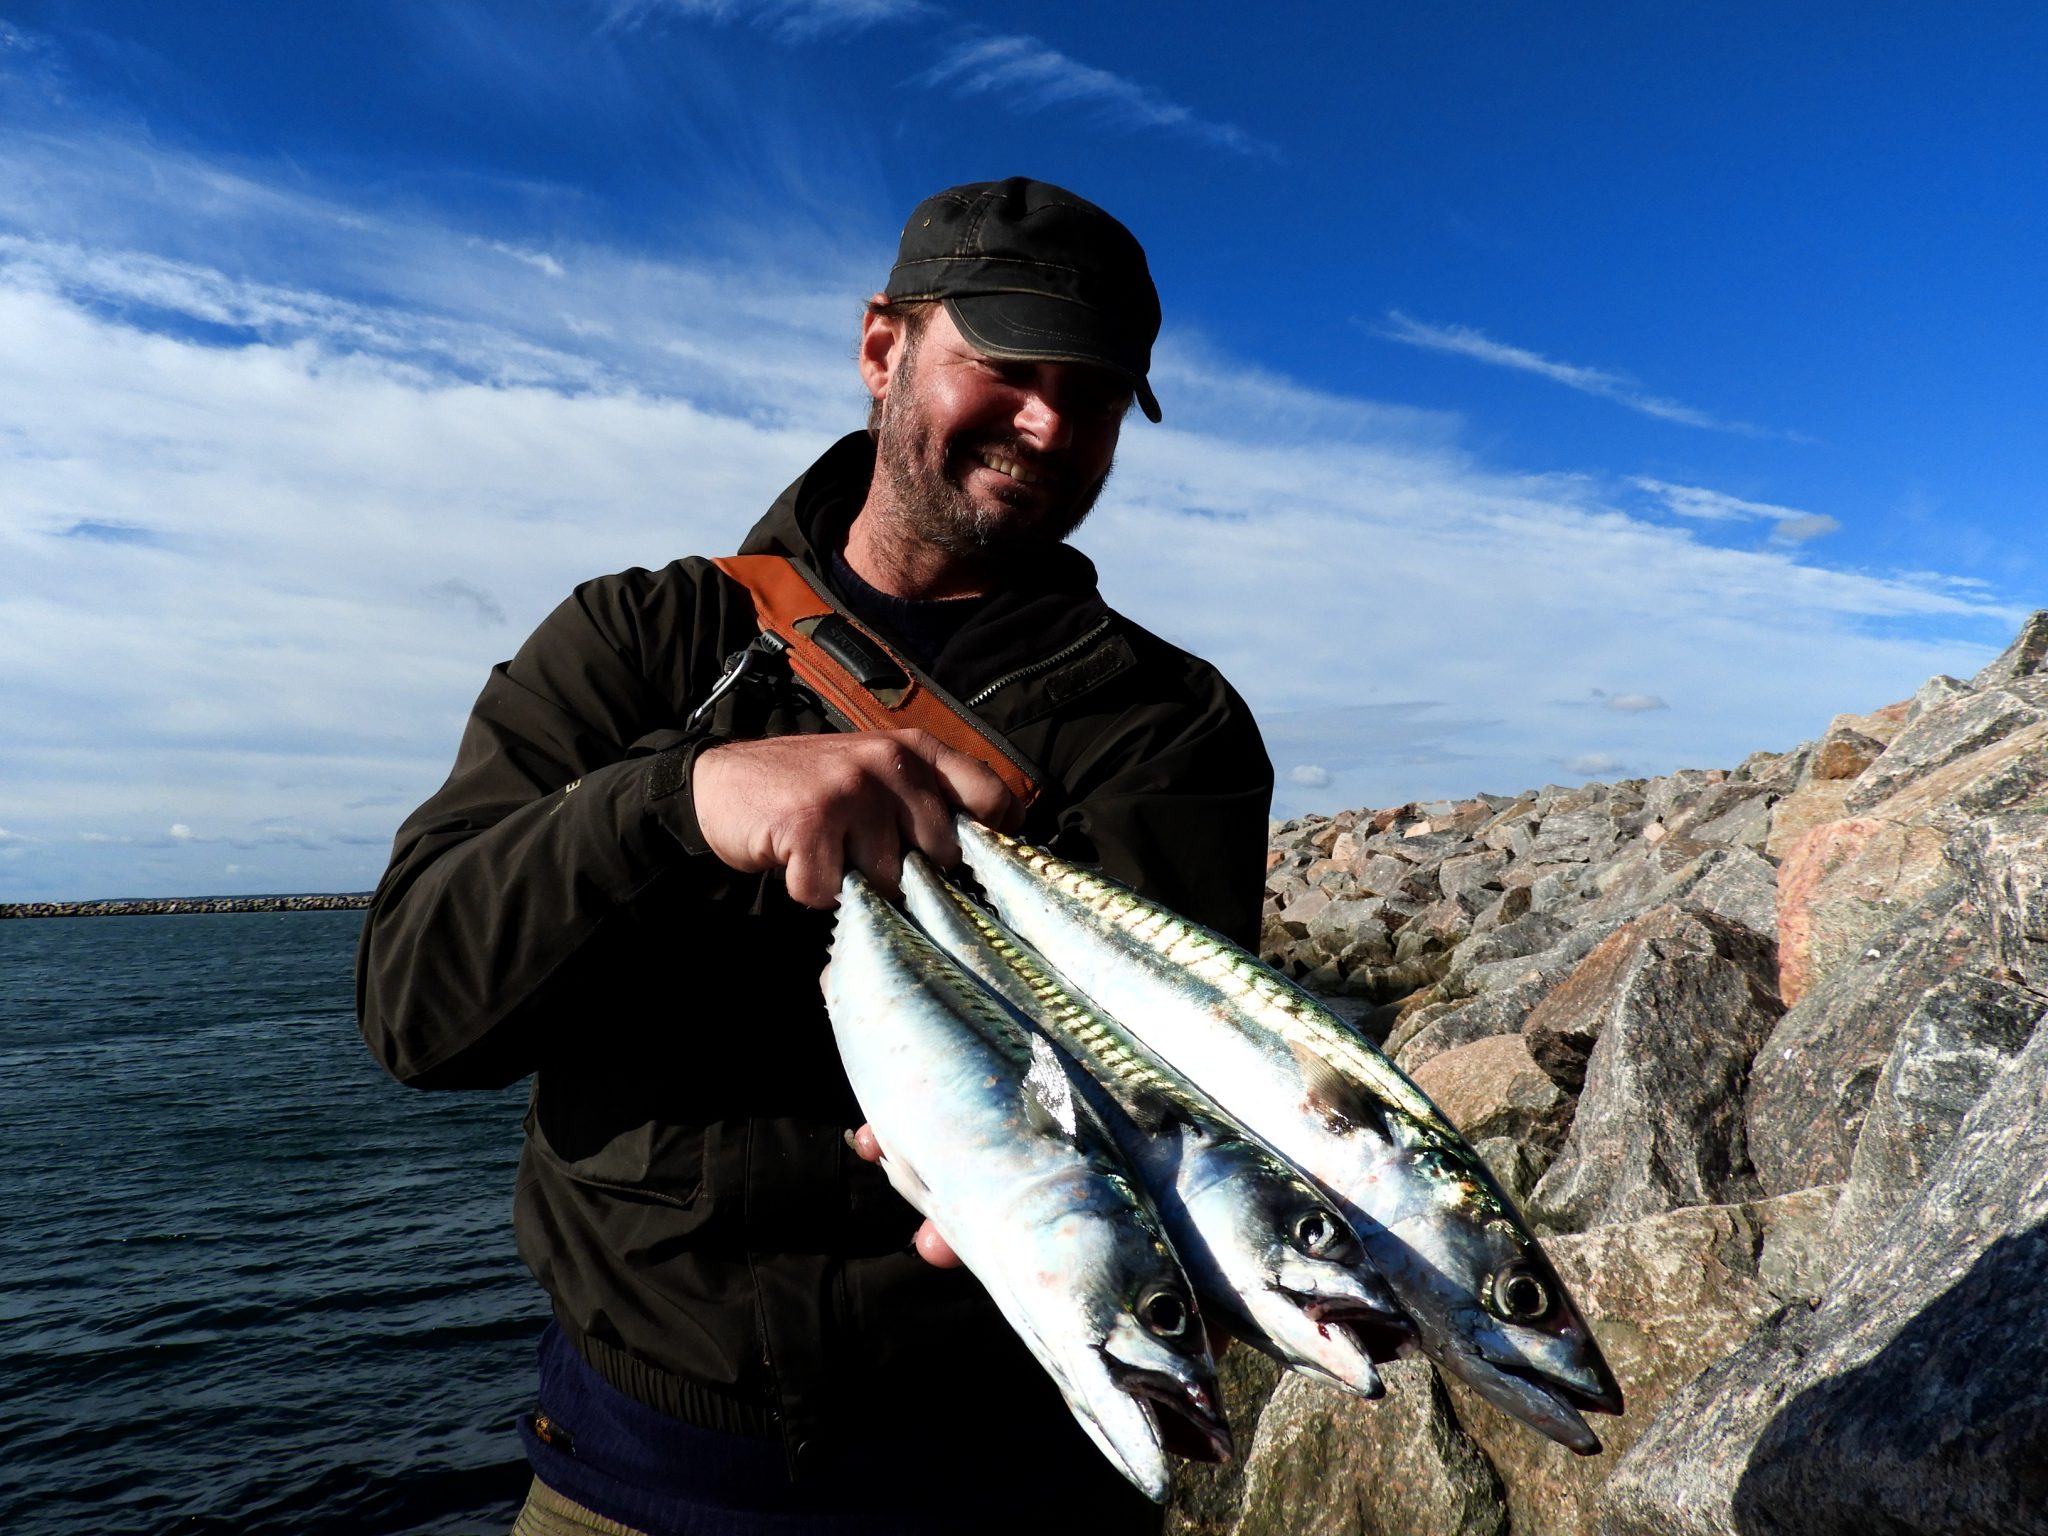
(1004, 465)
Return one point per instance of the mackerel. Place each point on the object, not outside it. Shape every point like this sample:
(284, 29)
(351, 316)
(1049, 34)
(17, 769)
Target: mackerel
(1487, 1304)
(1264, 1248)
(982, 1131)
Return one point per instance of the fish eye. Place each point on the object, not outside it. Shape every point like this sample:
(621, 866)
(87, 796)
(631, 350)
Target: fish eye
(1520, 1295)
(1165, 1313)
(1316, 1232)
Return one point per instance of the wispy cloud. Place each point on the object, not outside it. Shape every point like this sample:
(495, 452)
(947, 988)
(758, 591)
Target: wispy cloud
(797, 20)
(1464, 341)
(1790, 525)
(1029, 76)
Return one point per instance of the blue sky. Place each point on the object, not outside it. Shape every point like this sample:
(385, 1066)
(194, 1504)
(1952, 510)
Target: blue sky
(1551, 393)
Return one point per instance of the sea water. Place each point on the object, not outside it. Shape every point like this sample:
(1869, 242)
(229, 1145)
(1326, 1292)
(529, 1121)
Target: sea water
(247, 1282)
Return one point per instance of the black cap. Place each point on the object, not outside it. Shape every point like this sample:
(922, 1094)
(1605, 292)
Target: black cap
(1028, 270)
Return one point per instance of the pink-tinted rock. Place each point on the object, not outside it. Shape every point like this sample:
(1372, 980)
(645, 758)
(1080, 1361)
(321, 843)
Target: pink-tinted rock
(1493, 1087)
(1842, 883)
(1803, 810)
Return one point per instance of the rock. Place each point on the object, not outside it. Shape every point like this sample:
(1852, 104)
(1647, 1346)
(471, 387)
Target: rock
(1297, 914)
(1947, 1052)
(1506, 907)
(1207, 1497)
(1459, 1022)
(1674, 1006)
(1563, 1026)
(1743, 821)
(1470, 873)
(1526, 935)
(1354, 927)
(1842, 883)
(1326, 1464)
(1584, 835)
(1843, 754)
(2020, 659)
(1940, 735)
(1665, 1296)
(1934, 693)
(1913, 1399)
(2009, 774)
(2004, 864)
(1804, 809)
(1811, 1083)
(1493, 1088)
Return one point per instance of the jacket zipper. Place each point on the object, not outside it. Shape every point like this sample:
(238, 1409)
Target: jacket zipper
(1037, 667)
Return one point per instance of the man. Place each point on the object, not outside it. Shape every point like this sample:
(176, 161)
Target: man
(624, 889)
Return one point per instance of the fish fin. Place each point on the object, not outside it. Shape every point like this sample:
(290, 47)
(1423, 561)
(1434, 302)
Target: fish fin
(1334, 1096)
(904, 1180)
(1049, 1102)
(1150, 1112)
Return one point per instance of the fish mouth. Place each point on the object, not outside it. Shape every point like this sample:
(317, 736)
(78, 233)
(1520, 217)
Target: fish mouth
(1381, 1336)
(1607, 1401)
(1185, 1416)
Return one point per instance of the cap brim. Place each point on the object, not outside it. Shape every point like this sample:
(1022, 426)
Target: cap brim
(1039, 328)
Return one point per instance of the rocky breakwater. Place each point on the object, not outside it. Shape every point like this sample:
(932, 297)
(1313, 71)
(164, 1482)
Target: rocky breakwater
(1756, 1050)
(160, 906)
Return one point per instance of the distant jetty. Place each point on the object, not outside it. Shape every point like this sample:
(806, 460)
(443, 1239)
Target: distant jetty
(163, 906)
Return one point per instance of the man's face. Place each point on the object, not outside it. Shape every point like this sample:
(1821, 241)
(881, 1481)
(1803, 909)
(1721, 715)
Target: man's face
(984, 455)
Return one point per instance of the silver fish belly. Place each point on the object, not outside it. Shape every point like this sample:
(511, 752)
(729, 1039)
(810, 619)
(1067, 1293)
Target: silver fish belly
(1486, 1303)
(1015, 1174)
(1263, 1247)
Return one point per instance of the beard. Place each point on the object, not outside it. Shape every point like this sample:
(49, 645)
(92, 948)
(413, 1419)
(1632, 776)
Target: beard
(933, 508)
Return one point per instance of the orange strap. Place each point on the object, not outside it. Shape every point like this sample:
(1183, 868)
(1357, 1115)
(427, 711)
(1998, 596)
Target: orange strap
(862, 683)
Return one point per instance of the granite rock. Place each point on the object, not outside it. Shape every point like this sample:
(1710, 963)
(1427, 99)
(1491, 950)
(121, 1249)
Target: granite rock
(1914, 1398)
(1675, 1005)
(1841, 884)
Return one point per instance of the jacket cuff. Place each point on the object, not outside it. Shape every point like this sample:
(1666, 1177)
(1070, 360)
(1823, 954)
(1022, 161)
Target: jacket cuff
(667, 780)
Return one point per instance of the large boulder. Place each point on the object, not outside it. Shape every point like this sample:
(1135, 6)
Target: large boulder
(2004, 864)
(1948, 731)
(1843, 883)
(1914, 1399)
(1674, 1005)
(1948, 1051)
(1666, 1296)
(2009, 774)
(2022, 658)
(1811, 1083)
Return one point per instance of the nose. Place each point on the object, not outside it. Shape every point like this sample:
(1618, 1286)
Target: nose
(1042, 421)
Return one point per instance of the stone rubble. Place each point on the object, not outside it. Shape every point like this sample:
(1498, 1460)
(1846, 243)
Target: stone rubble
(1756, 1050)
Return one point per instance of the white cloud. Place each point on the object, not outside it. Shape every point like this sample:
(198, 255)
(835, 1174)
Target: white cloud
(1635, 703)
(1593, 764)
(1027, 75)
(1790, 524)
(1797, 530)
(181, 832)
(1309, 776)
(1464, 341)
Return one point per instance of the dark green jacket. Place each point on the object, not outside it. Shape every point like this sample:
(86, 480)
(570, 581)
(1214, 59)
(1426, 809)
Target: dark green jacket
(685, 1194)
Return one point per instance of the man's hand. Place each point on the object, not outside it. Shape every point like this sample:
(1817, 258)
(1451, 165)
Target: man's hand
(933, 1248)
(813, 805)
